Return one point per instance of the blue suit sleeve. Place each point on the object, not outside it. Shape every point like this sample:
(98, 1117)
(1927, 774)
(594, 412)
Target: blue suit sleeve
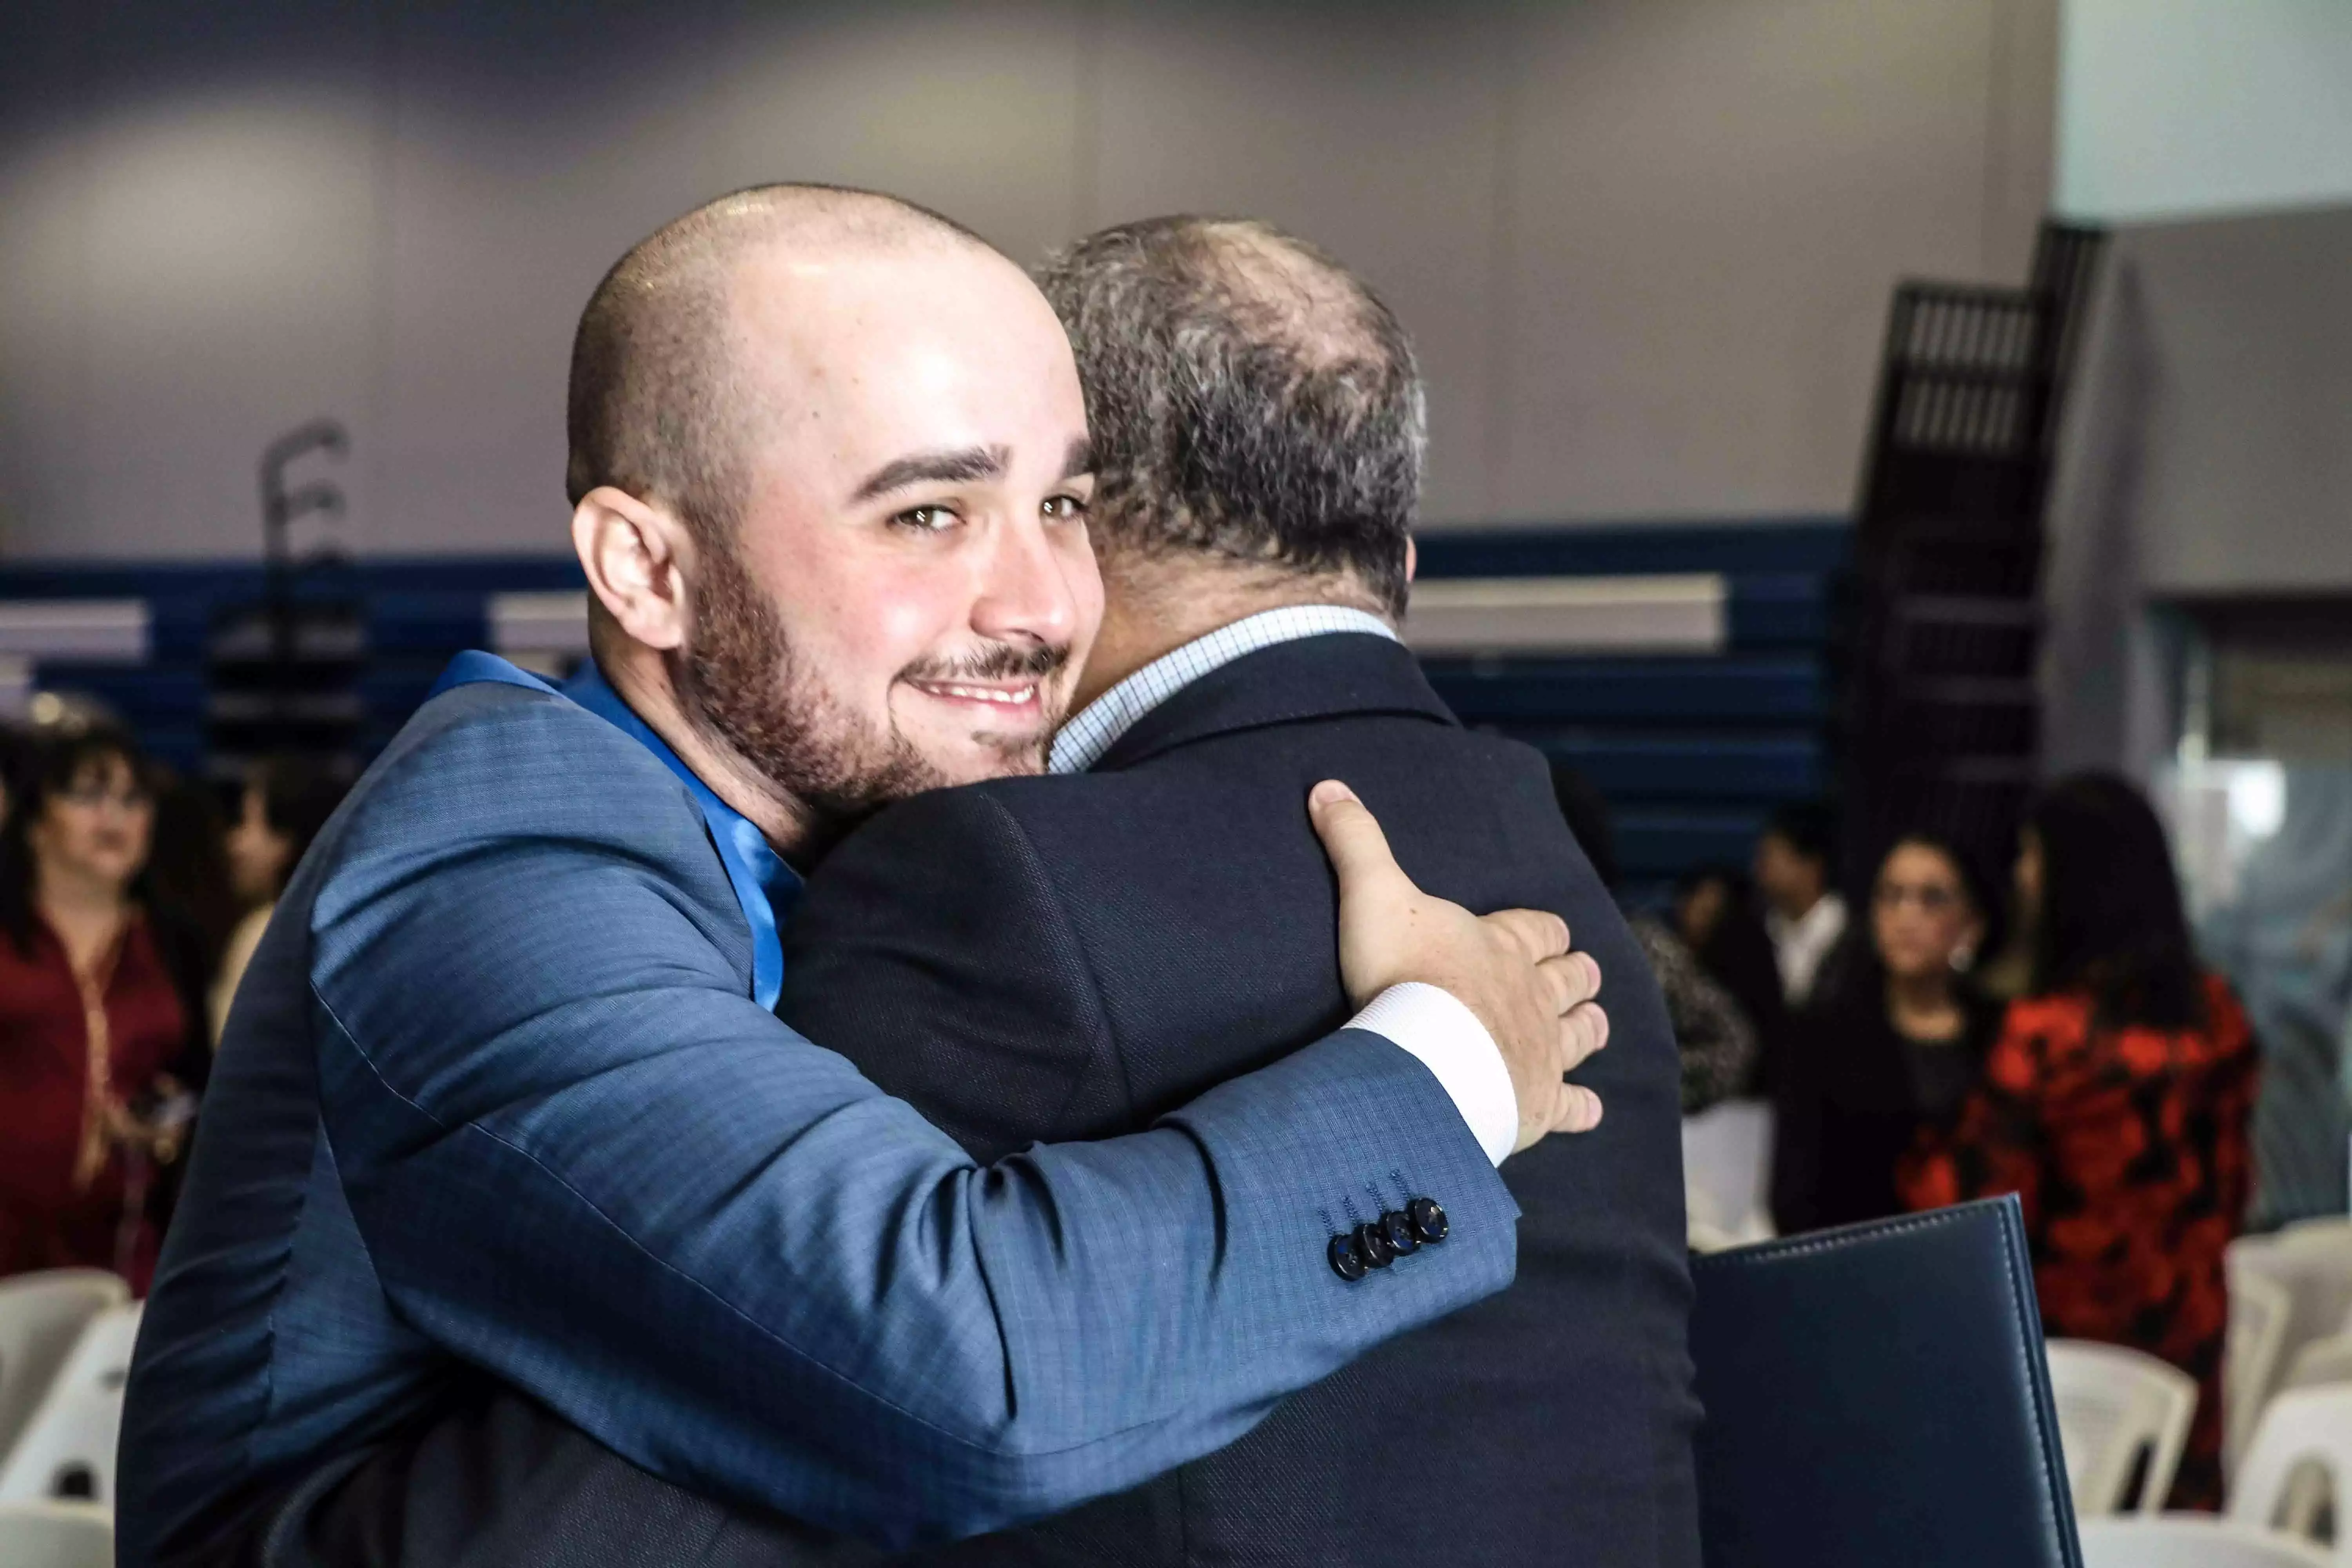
(581, 1158)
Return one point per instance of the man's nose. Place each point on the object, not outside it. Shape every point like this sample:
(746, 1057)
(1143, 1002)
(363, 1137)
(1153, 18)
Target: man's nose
(1026, 593)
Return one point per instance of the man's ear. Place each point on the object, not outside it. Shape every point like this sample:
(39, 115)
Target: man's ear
(1411, 558)
(635, 557)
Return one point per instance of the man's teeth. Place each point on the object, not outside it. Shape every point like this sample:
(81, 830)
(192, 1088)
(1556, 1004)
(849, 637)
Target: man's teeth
(1012, 699)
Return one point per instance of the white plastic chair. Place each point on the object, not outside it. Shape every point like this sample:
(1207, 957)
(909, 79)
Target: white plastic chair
(68, 1448)
(2260, 1309)
(2326, 1229)
(2321, 1363)
(2113, 1403)
(2191, 1541)
(2304, 1431)
(1727, 1169)
(2314, 1262)
(54, 1535)
(41, 1315)
(1704, 1238)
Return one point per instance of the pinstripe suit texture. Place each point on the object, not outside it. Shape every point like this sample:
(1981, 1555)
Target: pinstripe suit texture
(495, 1104)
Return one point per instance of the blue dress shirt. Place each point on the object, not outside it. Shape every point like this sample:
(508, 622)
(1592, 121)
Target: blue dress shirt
(765, 885)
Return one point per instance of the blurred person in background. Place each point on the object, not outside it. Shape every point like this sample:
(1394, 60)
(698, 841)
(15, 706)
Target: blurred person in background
(1894, 1041)
(188, 879)
(285, 803)
(1717, 918)
(1714, 1037)
(90, 1013)
(1796, 870)
(191, 909)
(15, 762)
(2114, 1104)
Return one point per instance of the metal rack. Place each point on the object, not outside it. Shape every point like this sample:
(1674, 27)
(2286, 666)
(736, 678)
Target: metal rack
(284, 673)
(1941, 717)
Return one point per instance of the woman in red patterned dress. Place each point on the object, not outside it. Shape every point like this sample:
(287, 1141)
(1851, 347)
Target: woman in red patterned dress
(89, 1013)
(2114, 1104)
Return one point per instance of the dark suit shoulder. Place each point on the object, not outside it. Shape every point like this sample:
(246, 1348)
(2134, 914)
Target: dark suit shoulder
(934, 947)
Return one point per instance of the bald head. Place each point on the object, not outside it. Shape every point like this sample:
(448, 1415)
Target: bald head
(660, 404)
(1250, 400)
(829, 474)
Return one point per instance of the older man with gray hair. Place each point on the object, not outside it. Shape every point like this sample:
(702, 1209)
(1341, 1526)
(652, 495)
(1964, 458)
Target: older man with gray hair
(1070, 956)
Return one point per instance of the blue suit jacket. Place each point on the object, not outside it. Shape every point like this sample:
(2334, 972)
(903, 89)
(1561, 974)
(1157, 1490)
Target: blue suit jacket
(494, 1096)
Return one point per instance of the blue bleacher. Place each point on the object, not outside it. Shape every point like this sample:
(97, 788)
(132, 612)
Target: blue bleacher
(1692, 750)
(417, 613)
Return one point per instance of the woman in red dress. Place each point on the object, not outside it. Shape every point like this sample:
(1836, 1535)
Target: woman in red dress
(2114, 1104)
(89, 1013)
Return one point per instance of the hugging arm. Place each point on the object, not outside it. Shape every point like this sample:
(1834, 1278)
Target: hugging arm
(582, 1159)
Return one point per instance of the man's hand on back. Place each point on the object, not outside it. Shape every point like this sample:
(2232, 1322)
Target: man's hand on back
(1512, 968)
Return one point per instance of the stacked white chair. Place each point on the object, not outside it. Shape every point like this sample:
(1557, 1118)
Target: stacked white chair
(41, 1315)
(2323, 1361)
(2113, 1403)
(2260, 1308)
(1727, 1173)
(54, 1535)
(2312, 1262)
(67, 1450)
(2191, 1541)
(2300, 1458)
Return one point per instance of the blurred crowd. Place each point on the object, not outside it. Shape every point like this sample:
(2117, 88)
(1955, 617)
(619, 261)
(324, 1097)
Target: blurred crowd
(2056, 1038)
(130, 899)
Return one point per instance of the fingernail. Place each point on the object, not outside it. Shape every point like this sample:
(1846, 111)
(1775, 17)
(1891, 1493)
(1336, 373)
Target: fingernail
(1330, 792)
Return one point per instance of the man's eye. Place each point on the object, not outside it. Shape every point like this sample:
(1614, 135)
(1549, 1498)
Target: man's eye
(925, 519)
(1066, 508)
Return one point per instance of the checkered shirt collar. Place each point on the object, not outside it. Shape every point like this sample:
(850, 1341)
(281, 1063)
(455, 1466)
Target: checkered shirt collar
(1096, 727)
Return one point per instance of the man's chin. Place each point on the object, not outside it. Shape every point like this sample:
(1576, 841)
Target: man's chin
(991, 756)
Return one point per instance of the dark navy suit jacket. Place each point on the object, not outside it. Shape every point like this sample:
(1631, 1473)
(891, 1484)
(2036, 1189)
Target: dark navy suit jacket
(1071, 957)
(496, 1100)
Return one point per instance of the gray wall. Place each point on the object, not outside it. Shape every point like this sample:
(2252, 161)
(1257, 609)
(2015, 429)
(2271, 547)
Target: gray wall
(2208, 455)
(1645, 244)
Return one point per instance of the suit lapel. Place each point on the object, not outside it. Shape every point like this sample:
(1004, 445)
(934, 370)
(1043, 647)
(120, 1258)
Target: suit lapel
(1324, 676)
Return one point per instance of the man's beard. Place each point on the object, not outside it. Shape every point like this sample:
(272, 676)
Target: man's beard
(738, 679)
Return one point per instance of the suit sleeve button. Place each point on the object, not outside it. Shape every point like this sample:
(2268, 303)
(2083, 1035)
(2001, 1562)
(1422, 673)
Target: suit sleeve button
(1397, 1225)
(1373, 1243)
(1429, 1221)
(1346, 1261)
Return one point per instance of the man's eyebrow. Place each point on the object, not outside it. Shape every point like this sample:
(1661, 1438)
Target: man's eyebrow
(1080, 460)
(957, 467)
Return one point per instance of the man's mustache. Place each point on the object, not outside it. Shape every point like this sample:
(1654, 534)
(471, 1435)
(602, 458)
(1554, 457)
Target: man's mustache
(1000, 661)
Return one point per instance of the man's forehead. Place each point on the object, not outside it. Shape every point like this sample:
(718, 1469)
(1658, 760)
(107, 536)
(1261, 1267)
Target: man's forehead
(829, 296)
(884, 356)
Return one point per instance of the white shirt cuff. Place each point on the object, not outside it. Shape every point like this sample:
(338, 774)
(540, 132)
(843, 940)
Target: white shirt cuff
(1431, 1025)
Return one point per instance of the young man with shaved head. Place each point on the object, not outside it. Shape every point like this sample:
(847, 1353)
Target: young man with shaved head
(513, 1194)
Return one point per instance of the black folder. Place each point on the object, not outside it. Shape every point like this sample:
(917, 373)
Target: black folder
(1877, 1396)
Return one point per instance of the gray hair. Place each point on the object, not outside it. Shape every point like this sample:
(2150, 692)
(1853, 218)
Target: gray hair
(1249, 398)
